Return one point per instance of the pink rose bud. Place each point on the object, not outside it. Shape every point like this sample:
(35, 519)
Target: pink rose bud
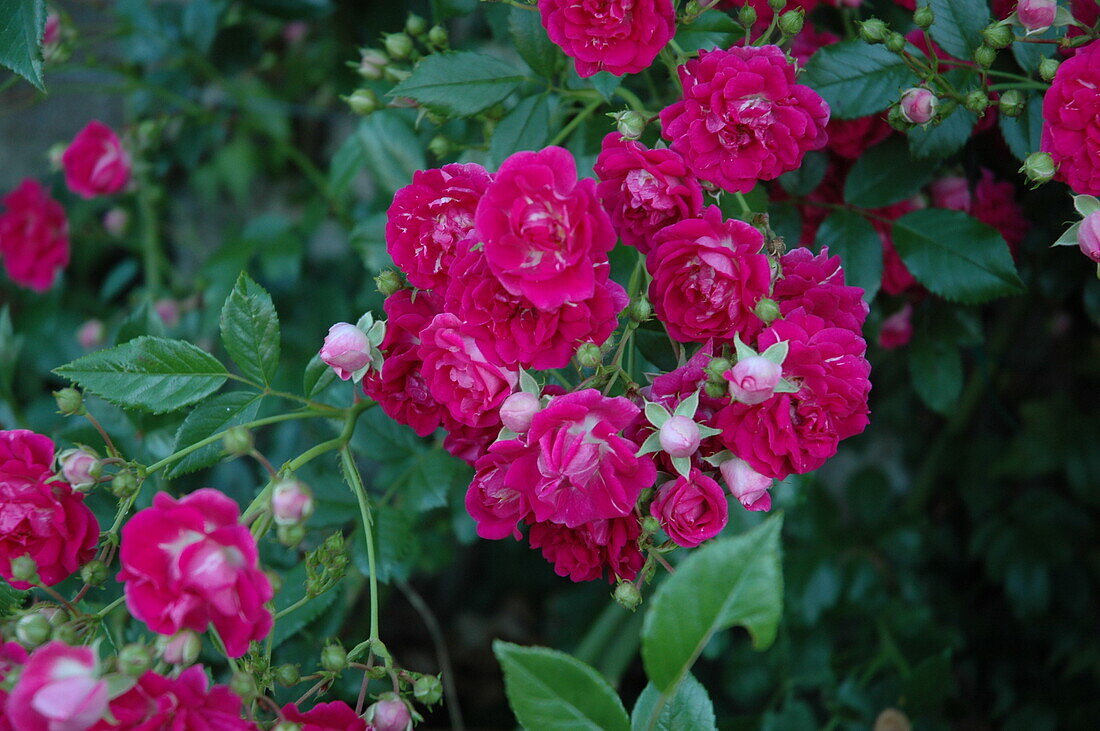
(897, 329)
(58, 690)
(1088, 236)
(346, 349)
(295, 32)
(918, 105)
(182, 648)
(746, 484)
(291, 502)
(1036, 15)
(952, 192)
(169, 312)
(90, 335)
(680, 437)
(389, 714)
(52, 33)
(79, 467)
(95, 162)
(115, 221)
(518, 410)
(753, 379)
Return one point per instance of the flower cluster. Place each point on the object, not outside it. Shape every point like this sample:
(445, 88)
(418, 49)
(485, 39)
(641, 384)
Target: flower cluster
(1071, 121)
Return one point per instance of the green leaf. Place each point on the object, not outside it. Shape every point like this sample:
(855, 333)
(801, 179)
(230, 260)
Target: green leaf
(857, 79)
(807, 176)
(958, 26)
(142, 321)
(396, 540)
(532, 43)
(318, 376)
(1023, 133)
(851, 237)
(250, 330)
(712, 29)
(346, 164)
(459, 83)
(550, 691)
(22, 23)
(524, 128)
(935, 368)
(945, 139)
(153, 374)
(606, 83)
(10, 601)
(216, 415)
(689, 708)
(886, 174)
(730, 581)
(10, 345)
(393, 151)
(956, 256)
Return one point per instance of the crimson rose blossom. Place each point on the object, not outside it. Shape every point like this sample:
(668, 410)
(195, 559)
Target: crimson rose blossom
(708, 275)
(816, 284)
(591, 550)
(496, 503)
(429, 218)
(743, 118)
(95, 162)
(797, 432)
(470, 443)
(617, 36)
(34, 236)
(644, 190)
(543, 230)
(158, 703)
(58, 690)
(188, 563)
(691, 509)
(40, 516)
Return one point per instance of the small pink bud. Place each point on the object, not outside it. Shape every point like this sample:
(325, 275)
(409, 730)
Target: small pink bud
(181, 648)
(680, 437)
(52, 33)
(389, 713)
(169, 312)
(746, 484)
(295, 32)
(518, 410)
(1088, 236)
(897, 329)
(346, 349)
(918, 105)
(79, 467)
(116, 221)
(90, 335)
(291, 502)
(753, 379)
(1036, 15)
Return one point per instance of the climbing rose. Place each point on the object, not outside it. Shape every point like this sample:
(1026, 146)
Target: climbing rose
(430, 217)
(644, 190)
(188, 563)
(743, 118)
(40, 516)
(1071, 121)
(601, 547)
(544, 232)
(95, 162)
(617, 36)
(470, 443)
(34, 236)
(58, 690)
(816, 284)
(188, 702)
(708, 275)
(691, 509)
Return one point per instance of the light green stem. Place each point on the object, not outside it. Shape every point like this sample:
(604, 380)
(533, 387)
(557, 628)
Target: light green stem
(351, 471)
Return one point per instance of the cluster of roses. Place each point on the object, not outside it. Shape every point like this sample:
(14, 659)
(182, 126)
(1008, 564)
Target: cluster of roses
(511, 272)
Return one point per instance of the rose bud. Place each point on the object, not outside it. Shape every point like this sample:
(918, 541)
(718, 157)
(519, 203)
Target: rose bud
(1036, 15)
(518, 410)
(389, 713)
(90, 334)
(680, 437)
(1088, 236)
(116, 221)
(346, 349)
(95, 162)
(897, 329)
(79, 467)
(291, 502)
(58, 689)
(918, 105)
(746, 484)
(691, 509)
(753, 379)
(181, 648)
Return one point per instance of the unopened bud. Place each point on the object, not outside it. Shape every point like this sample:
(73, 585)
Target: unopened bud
(640, 310)
(93, 573)
(518, 411)
(244, 686)
(873, 30)
(237, 441)
(679, 437)
(918, 105)
(134, 659)
(363, 101)
(715, 368)
(291, 502)
(791, 22)
(984, 56)
(715, 390)
(895, 42)
(1039, 167)
(67, 633)
(976, 101)
(1047, 68)
(79, 467)
(124, 485)
(116, 221)
(70, 402)
(333, 658)
(32, 630)
(388, 282)
(23, 568)
(437, 36)
(440, 146)
(347, 350)
(767, 310)
(182, 648)
(372, 64)
(746, 16)
(897, 120)
(1036, 15)
(287, 675)
(427, 689)
(630, 124)
(290, 535)
(924, 17)
(398, 45)
(589, 355)
(1011, 103)
(998, 35)
(286, 726)
(415, 25)
(389, 713)
(627, 595)
(777, 5)
(650, 525)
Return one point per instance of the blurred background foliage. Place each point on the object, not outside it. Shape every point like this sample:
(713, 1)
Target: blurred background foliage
(946, 563)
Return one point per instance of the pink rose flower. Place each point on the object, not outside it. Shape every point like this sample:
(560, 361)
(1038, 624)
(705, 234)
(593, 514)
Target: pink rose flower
(518, 410)
(753, 379)
(578, 468)
(1071, 121)
(592, 550)
(743, 118)
(182, 648)
(389, 713)
(850, 138)
(34, 236)
(460, 376)
(747, 485)
(58, 690)
(346, 349)
(691, 509)
(199, 568)
(544, 232)
(644, 190)
(429, 218)
(512, 331)
(51, 34)
(708, 275)
(1036, 15)
(1088, 236)
(798, 432)
(40, 516)
(494, 499)
(816, 284)
(332, 716)
(897, 329)
(401, 388)
(187, 702)
(617, 36)
(12, 656)
(95, 162)
(993, 202)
